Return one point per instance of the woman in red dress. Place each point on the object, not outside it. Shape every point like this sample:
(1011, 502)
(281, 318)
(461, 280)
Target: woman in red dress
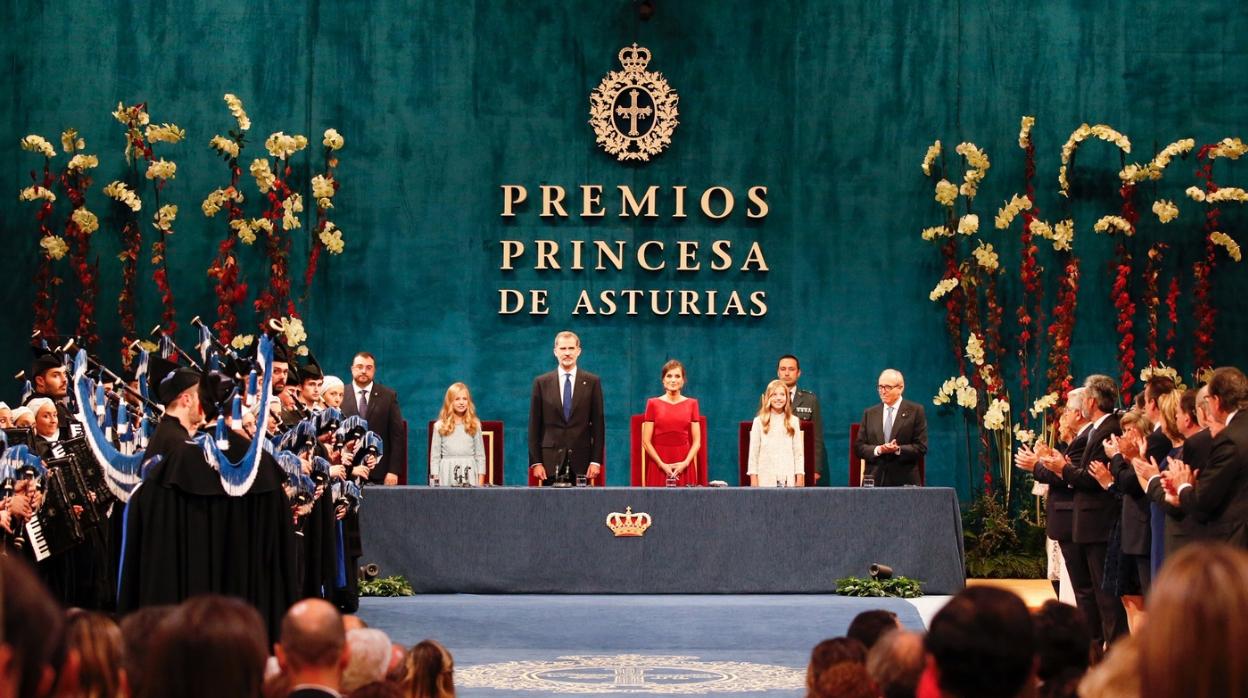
(671, 435)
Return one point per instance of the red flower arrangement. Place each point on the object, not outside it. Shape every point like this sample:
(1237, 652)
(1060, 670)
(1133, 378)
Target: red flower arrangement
(1030, 322)
(1061, 330)
(224, 267)
(75, 182)
(1202, 272)
(275, 302)
(1172, 313)
(1152, 299)
(45, 279)
(1126, 322)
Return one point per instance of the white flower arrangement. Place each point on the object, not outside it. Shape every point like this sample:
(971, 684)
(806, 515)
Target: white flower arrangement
(1024, 436)
(236, 109)
(975, 349)
(263, 175)
(986, 257)
(224, 145)
(1224, 240)
(1231, 148)
(35, 192)
(292, 329)
(81, 162)
(163, 220)
(968, 224)
(979, 165)
(282, 146)
(1024, 131)
(217, 199)
(70, 142)
(1135, 173)
(331, 238)
(162, 169)
(943, 287)
(946, 193)
(323, 191)
(1016, 205)
(929, 158)
(957, 389)
(1166, 210)
(290, 207)
(332, 140)
(38, 144)
(165, 133)
(1079, 135)
(120, 192)
(54, 246)
(996, 414)
(1112, 224)
(936, 231)
(246, 234)
(1043, 403)
(242, 341)
(86, 221)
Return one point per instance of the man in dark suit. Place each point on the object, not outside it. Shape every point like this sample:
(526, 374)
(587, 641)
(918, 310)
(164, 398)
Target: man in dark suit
(378, 405)
(892, 435)
(566, 417)
(806, 407)
(1096, 512)
(1060, 503)
(1219, 493)
(312, 653)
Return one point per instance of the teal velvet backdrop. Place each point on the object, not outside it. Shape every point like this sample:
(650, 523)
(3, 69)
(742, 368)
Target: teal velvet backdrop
(830, 105)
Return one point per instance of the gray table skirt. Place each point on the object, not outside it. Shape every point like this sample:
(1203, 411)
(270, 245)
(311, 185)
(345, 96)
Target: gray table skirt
(702, 540)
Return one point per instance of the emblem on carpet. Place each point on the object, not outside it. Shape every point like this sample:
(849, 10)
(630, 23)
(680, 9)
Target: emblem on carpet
(630, 673)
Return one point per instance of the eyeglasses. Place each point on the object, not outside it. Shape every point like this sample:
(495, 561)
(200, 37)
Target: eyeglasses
(883, 387)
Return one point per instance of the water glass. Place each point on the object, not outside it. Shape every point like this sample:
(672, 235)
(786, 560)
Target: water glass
(671, 481)
(868, 482)
(582, 481)
(434, 480)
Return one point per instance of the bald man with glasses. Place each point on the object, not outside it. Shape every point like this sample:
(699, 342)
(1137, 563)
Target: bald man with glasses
(892, 436)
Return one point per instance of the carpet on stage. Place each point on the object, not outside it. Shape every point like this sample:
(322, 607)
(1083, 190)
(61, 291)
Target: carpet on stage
(567, 645)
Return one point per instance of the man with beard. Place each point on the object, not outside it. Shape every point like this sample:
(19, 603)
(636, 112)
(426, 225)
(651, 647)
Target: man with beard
(50, 380)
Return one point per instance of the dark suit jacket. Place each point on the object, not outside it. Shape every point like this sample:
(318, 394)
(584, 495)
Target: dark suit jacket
(580, 437)
(806, 406)
(1059, 507)
(1220, 494)
(1096, 509)
(910, 431)
(1136, 512)
(386, 421)
(1182, 528)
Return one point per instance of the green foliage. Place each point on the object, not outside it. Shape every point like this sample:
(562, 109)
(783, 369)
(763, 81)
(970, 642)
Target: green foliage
(386, 586)
(900, 587)
(1000, 545)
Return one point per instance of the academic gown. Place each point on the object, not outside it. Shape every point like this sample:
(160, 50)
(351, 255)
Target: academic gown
(186, 536)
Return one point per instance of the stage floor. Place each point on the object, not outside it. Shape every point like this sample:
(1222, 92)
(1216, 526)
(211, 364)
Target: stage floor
(570, 645)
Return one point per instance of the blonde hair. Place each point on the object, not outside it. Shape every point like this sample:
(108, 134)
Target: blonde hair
(1138, 420)
(447, 416)
(1168, 405)
(764, 408)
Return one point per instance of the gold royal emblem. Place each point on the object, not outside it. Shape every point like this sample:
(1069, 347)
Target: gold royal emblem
(628, 524)
(633, 111)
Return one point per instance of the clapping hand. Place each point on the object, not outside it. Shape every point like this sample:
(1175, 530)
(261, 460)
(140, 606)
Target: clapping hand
(1101, 473)
(1112, 446)
(1025, 458)
(1145, 470)
(891, 447)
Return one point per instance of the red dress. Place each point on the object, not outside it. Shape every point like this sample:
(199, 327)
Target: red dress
(671, 438)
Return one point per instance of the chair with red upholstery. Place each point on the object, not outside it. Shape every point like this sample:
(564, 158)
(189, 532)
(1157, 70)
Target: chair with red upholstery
(857, 466)
(808, 452)
(638, 456)
(492, 436)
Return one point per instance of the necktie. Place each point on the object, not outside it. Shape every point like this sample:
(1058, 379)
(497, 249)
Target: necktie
(363, 403)
(888, 425)
(567, 396)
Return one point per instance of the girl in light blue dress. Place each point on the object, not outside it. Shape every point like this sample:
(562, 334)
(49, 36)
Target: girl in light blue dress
(457, 453)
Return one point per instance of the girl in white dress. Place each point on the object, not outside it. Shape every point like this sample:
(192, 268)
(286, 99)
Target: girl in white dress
(457, 454)
(777, 453)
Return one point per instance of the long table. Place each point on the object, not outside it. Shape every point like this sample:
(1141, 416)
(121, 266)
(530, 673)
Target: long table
(701, 540)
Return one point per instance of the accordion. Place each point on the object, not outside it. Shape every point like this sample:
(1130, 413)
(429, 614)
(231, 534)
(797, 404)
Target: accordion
(89, 473)
(20, 435)
(54, 529)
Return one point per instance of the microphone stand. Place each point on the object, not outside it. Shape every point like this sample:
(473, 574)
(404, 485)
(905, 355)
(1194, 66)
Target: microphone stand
(563, 471)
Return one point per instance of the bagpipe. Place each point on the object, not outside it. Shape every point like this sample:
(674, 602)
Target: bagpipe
(17, 464)
(70, 507)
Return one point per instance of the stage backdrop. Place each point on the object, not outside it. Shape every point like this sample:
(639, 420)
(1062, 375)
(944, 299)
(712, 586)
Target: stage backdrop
(829, 106)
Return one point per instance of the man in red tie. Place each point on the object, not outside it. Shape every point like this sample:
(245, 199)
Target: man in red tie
(378, 405)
